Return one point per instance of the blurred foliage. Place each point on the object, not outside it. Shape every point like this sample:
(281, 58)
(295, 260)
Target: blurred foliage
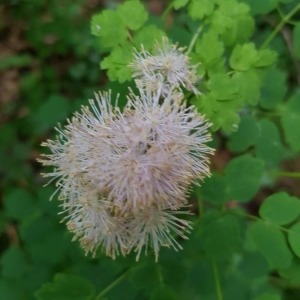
(49, 67)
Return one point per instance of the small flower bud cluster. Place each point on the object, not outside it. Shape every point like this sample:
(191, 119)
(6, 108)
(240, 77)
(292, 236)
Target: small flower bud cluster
(124, 175)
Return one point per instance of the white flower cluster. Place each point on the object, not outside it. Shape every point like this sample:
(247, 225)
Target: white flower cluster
(169, 66)
(123, 176)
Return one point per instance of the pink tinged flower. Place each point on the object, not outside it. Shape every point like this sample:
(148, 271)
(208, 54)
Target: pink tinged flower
(155, 228)
(160, 150)
(168, 65)
(141, 161)
(93, 224)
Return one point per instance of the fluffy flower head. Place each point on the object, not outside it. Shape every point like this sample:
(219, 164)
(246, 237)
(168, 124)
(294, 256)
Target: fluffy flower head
(169, 65)
(123, 176)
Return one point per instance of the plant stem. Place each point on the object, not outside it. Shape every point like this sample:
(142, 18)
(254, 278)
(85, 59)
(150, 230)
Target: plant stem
(241, 213)
(194, 39)
(217, 280)
(270, 113)
(286, 174)
(279, 26)
(282, 16)
(168, 9)
(259, 219)
(112, 285)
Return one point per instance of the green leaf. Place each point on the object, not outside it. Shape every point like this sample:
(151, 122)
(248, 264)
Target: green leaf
(220, 22)
(221, 238)
(209, 50)
(117, 63)
(225, 118)
(294, 238)
(290, 121)
(243, 57)
(280, 208)
(249, 86)
(243, 175)
(233, 8)
(13, 263)
(222, 87)
(198, 9)
(147, 36)
(164, 292)
(229, 36)
(222, 114)
(254, 266)
(271, 243)
(245, 136)
(206, 104)
(19, 204)
(265, 58)
(110, 27)
(133, 14)
(66, 287)
(37, 229)
(9, 290)
(36, 275)
(213, 189)
(274, 88)
(233, 22)
(51, 249)
(179, 3)
(259, 7)
(146, 275)
(292, 273)
(268, 145)
(296, 39)
(245, 26)
(49, 207)
(268, 296)
(173, 268)
(53, 110)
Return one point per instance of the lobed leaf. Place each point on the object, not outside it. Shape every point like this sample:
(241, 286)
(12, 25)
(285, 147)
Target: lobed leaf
(280, 208)
(13, 263)
(290, 121)
(268, 145)
(117, 63)
(133, 14)
(19, 204)
(245, 136)
(222, 237)
(243, 175)
(66, 287)
(249, 85)
(294, 238)
(147, 36)
(198, 9)
(110, 27)
(274, 88)
(271, 243)
(213, 189)
(243, 57)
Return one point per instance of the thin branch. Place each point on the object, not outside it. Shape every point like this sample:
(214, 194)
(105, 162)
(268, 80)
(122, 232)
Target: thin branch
(279, 26)
(113, 284)
(217, 280)
(287, 35)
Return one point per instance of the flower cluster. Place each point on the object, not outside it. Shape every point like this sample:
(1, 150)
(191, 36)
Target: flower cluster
(123, 176)
(169, 65)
